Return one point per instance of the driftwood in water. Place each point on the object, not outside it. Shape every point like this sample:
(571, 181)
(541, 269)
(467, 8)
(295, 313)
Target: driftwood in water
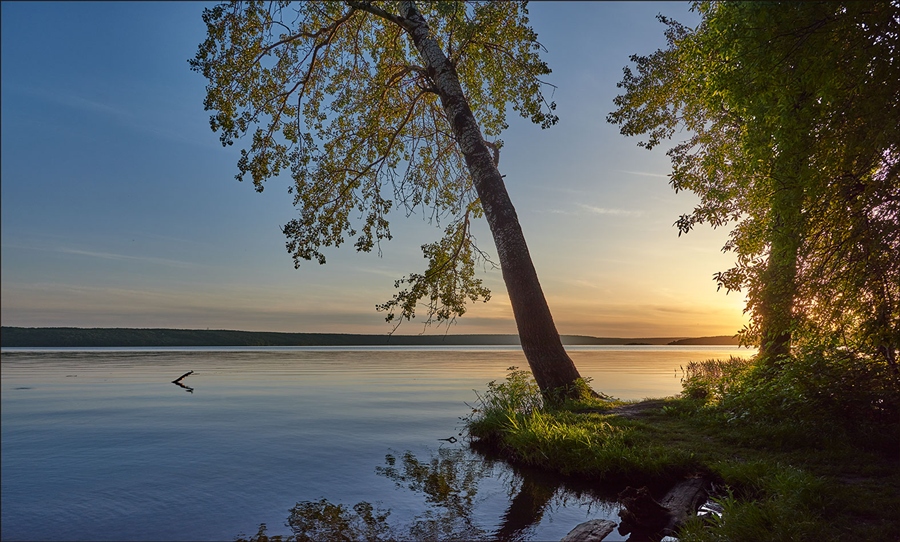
(182, 377)
(594, 530)
(178, 382)
(683, 501)
(642, 514)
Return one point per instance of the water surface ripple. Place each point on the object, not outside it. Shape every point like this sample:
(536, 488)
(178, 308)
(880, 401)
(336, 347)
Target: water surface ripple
(101, 445)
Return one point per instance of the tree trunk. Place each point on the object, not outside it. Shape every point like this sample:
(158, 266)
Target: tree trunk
(780, 277)
(551, 365)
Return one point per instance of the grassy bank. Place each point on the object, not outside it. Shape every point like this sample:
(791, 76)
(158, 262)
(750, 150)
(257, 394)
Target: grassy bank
(807, 451)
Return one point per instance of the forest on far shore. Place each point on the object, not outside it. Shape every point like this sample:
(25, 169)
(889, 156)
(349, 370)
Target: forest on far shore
(136, 337)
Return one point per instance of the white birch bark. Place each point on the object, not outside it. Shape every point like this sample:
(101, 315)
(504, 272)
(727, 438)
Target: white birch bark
(549, 362)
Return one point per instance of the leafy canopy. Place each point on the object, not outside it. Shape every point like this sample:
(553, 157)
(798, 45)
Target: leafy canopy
(791, 112)
(333, 93)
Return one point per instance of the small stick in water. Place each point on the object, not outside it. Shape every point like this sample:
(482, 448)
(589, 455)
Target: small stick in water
(180, 378)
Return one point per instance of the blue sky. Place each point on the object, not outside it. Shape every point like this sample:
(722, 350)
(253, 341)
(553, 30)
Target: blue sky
(120, 208)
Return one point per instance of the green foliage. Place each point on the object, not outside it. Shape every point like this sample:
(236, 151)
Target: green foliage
(518, 394)
(336, 95)
(861, 310)
(826, 392)
(578, 394)
(448, 283)
(710, 380)
(515, 417)
(787, 505)
(805, 400)
(792, 130)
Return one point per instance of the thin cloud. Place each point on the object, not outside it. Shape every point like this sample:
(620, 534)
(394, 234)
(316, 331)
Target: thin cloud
(124, 117)
(605, 211)
(555, 212)
(644, 174)
(591, 209)
(72, 100)
(125, 257)
(90, 105)
(562, 190)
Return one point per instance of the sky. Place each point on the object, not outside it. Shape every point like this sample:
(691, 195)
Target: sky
(120, 207)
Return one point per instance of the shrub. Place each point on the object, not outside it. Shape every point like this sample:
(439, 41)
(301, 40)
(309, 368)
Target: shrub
(817, 392)
(516, 419)
(778, 503)
(518, 394)
(710, 380)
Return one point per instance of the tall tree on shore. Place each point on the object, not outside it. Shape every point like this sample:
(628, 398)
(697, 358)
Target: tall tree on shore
(365, 101)
(792, 111)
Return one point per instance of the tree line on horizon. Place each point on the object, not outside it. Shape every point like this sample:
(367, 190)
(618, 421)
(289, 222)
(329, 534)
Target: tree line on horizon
(790, 114)
(37, 337)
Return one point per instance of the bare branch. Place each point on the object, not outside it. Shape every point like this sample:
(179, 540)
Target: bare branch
(377, 11)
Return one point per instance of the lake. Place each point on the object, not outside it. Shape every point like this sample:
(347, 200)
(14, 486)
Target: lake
(99, 444)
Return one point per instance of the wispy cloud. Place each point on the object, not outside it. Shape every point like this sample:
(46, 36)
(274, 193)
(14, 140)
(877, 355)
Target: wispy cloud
(591, 209)
(125, 257)
(104, 255)
(605, 211)
(644, 173)
(556, 212)
(126, 117)
(556, 189)
(71, 100)
(90, 105)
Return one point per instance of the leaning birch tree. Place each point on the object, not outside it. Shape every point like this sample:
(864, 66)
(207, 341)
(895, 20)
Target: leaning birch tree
(376, 106)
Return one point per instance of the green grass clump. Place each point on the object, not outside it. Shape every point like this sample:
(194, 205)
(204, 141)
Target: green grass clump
(589, 446)
(786, 504)
(515, 418)
(711, 380)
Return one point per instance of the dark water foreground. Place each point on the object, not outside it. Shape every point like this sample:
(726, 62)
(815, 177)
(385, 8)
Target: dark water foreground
(101, 445)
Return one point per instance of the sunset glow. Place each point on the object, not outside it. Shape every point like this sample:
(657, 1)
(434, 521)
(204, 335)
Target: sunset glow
(120, 208)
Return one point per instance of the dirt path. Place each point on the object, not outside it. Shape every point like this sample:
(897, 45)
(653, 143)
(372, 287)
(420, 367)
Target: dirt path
(631, 410)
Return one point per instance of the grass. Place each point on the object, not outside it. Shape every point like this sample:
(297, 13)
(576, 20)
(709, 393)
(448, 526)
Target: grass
(811, 453)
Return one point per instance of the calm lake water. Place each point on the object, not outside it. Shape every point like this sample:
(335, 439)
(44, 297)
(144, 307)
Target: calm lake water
(101, 445)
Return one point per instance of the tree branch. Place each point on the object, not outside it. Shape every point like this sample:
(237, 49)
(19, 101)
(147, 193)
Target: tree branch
(377, 11)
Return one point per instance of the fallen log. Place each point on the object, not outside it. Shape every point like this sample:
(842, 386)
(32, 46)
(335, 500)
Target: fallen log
(683, 501)
(644, 516)
(594, 530)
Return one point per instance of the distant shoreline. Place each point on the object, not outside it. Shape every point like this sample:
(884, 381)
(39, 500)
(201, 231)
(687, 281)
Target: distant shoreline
(43, 337)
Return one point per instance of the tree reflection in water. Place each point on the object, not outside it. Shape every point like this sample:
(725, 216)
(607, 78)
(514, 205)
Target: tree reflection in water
(449, 482)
